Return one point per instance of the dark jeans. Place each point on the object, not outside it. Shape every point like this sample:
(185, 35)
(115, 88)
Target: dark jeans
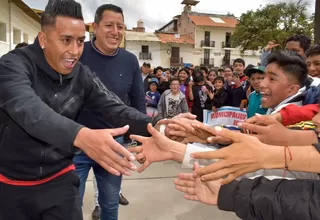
(55, 200)
(108, 184)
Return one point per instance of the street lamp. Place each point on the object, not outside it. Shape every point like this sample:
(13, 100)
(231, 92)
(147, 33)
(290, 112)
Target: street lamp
(317, 23)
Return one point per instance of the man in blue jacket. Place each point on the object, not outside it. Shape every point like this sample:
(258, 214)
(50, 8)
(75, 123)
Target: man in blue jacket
(119, 71)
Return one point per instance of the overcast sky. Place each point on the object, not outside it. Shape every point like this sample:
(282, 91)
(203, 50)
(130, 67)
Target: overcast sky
(156, 13)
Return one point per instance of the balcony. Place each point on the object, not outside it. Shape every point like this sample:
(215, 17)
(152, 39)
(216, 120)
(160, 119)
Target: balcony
(176, 61)
(208, 43)
(208, 62)
(145, 56)
(226, 45)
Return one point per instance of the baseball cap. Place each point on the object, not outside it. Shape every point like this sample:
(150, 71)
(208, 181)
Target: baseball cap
(255, 69)
(154, 80)
(146, 65)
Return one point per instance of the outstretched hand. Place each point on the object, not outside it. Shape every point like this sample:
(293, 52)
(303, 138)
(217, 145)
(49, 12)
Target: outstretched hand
(245, 155)
(196, 190)
(184, 132)
(156, 148)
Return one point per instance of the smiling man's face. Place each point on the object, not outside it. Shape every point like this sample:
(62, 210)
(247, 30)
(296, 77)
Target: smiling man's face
(109, 32)
(63, 43)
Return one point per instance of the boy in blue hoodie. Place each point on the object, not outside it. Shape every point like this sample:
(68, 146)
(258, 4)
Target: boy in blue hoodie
(255, 75)
(152, 97)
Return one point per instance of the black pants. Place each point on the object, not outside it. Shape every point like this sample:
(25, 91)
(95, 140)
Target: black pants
(56, 200)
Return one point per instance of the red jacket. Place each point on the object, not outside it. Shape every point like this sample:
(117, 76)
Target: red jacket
(292, 114)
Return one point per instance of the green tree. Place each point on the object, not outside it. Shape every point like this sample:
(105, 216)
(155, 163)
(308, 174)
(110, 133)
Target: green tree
(273, 22)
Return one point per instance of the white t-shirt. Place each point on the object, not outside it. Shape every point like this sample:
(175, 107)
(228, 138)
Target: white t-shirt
(172, 102)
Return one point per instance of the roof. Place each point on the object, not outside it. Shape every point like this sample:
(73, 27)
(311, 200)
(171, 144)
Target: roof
(175, 38)
(38, 11)
(141, 36)
(26, 9)
(221, 21)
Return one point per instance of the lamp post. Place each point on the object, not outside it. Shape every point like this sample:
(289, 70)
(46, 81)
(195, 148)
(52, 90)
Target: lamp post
(317, 23)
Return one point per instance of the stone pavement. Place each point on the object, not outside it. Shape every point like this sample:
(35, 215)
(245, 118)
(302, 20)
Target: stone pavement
(152, 196)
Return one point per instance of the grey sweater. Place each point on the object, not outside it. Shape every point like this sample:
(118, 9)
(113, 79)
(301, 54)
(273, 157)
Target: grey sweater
(162, 105)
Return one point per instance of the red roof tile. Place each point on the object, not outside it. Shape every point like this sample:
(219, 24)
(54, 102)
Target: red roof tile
(208, 21)
(171, 38)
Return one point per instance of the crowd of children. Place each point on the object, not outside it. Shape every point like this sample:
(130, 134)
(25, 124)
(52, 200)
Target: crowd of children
(234, 85)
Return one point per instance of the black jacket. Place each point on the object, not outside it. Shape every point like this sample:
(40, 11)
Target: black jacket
(38, 108)
(220, 99)
(280, 199)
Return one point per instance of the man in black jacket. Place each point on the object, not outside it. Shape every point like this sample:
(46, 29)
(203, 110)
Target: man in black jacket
(42, 90)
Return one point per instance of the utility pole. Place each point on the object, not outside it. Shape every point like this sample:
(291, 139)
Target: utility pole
(317, 23)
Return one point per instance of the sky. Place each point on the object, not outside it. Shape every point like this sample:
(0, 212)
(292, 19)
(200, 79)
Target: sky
(156, 13)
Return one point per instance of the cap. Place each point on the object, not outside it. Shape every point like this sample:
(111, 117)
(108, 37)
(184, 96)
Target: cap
(256, 69)
(146, 64)
(154, 80)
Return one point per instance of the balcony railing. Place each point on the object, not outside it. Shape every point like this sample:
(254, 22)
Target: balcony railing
(208, 62)
(176, 61)
(145, 56)
(226, 45)
(205, 43)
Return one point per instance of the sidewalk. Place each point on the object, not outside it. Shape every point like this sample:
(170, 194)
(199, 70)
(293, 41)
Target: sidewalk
(152, 196)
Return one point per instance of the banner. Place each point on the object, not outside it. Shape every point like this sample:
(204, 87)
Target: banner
(225, 116)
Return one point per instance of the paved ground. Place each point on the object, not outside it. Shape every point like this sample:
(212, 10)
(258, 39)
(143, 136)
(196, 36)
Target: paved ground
(152, 196)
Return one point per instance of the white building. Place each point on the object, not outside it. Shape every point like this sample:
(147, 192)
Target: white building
(146, 47)
(211, 34)
(18, 23)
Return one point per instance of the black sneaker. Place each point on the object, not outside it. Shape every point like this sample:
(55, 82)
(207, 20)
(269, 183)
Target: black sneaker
(123, 200)
(96, 213)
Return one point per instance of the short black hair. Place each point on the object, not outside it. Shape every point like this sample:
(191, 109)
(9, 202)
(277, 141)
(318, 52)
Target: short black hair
(228, 66)
(174, 79)
(20, 45)
(313, 51)
(166, 69)
(239, 60)
(305, 42)
(218, 78)
(157, 68)
(106, 7)
(55, 8)
(205, 69)
(291, 63)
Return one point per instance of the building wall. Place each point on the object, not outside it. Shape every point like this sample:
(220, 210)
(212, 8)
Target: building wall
(154, 48)
(23, 28)
(186, 52)
(4, 27)
(185, 25)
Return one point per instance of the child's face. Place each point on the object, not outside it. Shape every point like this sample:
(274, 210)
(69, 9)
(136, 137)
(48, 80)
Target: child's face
(175, 86)
(183, 76)
(255, 80)
(211, 76)
(239, 68)
(153, 87)
(316, 120)
(276, 86)
(218, 84)
(296, 47)
(313, 63)
(204, 74)
(159, 74)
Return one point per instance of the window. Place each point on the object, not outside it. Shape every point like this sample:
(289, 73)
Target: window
(3, 32)
(16, 36)
(144, 49)
(175, 52)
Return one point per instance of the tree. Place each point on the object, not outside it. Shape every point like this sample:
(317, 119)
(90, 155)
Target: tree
(317, 23)
(274, 22)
